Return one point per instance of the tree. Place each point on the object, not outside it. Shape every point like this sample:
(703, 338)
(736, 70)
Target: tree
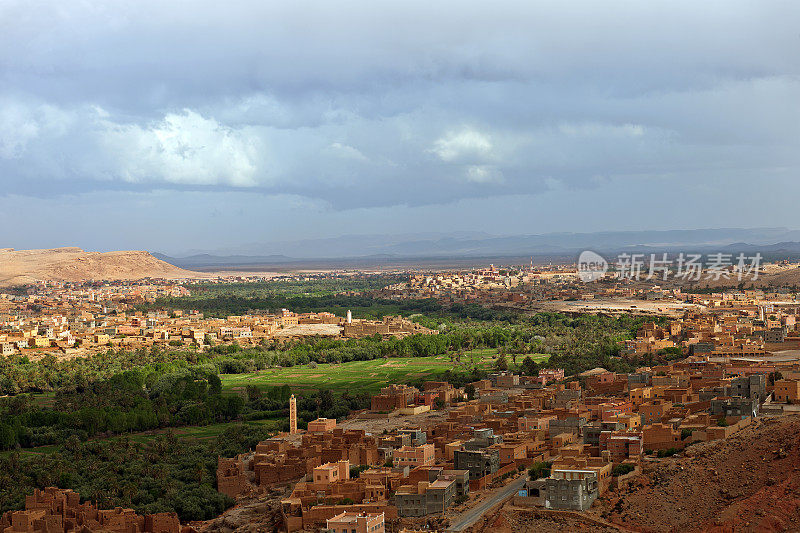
(469, 389)
(539, 469)
(529, 367)
(438, 404)
(253, 392)
(8, 437)
(501, 364)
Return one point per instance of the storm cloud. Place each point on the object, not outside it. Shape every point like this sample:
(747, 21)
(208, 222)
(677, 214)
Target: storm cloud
(356, 106)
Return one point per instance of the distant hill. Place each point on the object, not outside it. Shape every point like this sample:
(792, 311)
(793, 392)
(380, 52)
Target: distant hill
(18, 267)
(466, 245)
(208, 260)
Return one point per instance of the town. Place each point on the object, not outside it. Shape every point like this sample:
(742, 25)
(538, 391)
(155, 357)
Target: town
(399, 267)
(440, 455)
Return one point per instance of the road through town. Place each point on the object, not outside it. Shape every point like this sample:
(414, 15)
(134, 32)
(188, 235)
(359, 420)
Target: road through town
(472, 515)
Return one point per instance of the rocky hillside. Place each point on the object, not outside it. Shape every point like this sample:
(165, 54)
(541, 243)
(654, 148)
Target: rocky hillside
(750, 482)
(18, 267)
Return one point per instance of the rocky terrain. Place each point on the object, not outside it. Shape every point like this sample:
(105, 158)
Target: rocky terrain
(510, 519)
(750, 482)
(18, 267)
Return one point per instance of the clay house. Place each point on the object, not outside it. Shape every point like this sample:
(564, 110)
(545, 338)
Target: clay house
(394, 397)
(232, 477)
(787, 391)
(322, 425)
(331, 473)
(653, 412)
(661, 437)
(348, 522)
(414, 456)
(54, 510)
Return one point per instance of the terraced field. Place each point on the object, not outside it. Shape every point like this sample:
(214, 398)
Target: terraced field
(360, 376)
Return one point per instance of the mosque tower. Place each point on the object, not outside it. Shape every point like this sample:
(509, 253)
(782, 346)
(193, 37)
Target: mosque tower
(292, 415)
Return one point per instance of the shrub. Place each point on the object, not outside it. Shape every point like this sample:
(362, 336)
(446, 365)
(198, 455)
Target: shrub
(622, 469)
(539, 469)
(667, 453)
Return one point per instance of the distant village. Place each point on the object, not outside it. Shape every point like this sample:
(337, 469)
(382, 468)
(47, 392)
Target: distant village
(71, 321)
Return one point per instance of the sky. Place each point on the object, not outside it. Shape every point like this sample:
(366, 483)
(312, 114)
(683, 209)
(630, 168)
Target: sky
(169, 126)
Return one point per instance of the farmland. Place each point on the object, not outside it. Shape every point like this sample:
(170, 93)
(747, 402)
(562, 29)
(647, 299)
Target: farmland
(362, 376)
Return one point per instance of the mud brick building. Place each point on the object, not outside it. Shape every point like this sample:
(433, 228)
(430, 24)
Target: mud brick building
(661, 437)
(232, 479)
(394, 397)
(321, 425)
(414, 456)
(787, 390)
(356, 523)
(54, 510)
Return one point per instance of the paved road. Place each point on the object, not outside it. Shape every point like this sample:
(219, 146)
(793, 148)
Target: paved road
(471, 516)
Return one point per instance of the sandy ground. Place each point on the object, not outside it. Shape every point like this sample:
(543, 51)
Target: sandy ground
(617, 306)
(325, 330)
(73, 264)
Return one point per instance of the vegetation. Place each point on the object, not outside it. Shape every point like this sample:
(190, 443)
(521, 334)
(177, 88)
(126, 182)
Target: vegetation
(540, 469)
(86, 416)
(162, 474)
(307, 286)
(136, 401)
(223, 305)
(128, 402)
(549, 339)
(669, 452)
(622, 469)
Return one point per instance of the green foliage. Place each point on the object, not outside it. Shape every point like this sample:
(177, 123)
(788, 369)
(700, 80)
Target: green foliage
(469, 390)
(573, 343)
(540, 469)
(622, 469)
(355, 471)
(669, 452)
(529, 367)
(132, 401)
(163, 474)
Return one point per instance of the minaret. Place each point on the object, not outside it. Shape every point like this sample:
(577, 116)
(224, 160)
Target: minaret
(349, 317)
(292, 415)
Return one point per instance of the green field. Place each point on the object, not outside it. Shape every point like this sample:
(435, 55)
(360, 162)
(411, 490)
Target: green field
(362, 376)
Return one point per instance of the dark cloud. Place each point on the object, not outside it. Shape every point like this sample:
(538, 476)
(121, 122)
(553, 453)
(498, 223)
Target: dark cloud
(358, 105)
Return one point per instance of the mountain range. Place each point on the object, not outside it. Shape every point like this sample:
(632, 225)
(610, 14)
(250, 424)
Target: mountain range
(775, 242)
